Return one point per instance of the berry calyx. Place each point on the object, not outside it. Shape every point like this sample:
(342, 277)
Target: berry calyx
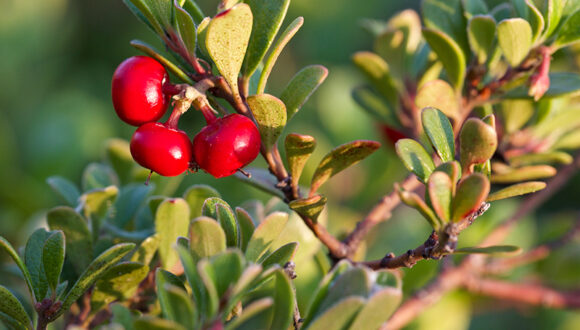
(226, 144)
(166, 151)
(137, 90)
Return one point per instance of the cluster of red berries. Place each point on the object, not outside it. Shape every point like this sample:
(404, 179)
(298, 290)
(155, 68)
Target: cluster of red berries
(221, 148)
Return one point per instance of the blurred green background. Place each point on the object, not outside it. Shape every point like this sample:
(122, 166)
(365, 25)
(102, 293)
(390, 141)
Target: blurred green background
(57, 59)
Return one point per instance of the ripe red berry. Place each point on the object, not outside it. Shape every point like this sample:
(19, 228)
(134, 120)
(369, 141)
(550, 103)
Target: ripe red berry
(161, 149)
(226, 145)
(137, 90)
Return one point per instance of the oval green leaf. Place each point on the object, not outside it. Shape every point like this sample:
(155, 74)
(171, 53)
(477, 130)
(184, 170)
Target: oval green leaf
(53, 258)
(226, 41)
(265, 235)
(12, 307)
(67, 190)
(196, 195)
(340, 315)
(377, 72)
(439, 188)
(339, 159)
(118, 283)
(413, 200)
(438, 94)
(309, 207)
(440, 133)
(171, 221)
(206, 238)
(515, 39)
(415, 158)
(450, 54)
(525, 173)
(268, 17)
(471, 193)
(301, 86)
(516, 190)
(33, 262)
(299, 148)
(270, 113)
(481, 34)
(477, 141)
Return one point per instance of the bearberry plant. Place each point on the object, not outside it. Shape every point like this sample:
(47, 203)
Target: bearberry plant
(463, 94)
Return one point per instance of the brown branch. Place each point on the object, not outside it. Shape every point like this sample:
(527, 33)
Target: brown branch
(451, 278)
(379, 213)
(530, 294)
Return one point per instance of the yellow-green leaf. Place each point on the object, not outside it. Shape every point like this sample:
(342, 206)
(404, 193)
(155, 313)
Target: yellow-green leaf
(415, 158)
(171, 221)
(516, 190)
(515, 39)
(299, 148)
(438, 94)
(440, 133)
(310, 207)
(302, 85)
(270, 113)
(226, 41)
(339, 159)
(450, 54)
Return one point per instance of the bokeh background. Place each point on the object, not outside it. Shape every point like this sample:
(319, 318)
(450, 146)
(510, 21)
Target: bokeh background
(56, 62)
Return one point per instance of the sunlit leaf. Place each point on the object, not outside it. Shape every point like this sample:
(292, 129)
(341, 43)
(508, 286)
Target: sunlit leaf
(171, 221)
(206, 238)
(440, 133)
(302, 85)
(515, 39)
(477, 141)
(516, 190)
(270, 114)
(265, 234)
(450, 54)
(53, 258)
(415, 158)
(440, 95)
(310, 207)
(299, 148)
(525, 173)
(471, 193)
(481, 34)
(118, 283)
(196, 195)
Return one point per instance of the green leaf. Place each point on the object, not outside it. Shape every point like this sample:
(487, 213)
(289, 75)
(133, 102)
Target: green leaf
(10, 323)
(186, 28)
(377, 309)
(65, 189)
(141, 9)
(413, 200)
(302, 85)
(280, 256)
(283, 309)
(97, 201)
(569, 33)
(262, 179)
(227, 219)
(339, 159)
(180, 308)
(553, 15)
(415, 158)
(377, 71)
(471, 193)
(172, 68)
(438, 94)
(93, 272)
(270, 114)
(268, 17)
(226, 41)
(553, 157)
(340, 315)
(453, 170)
(193, 10)
(119, 283)
(6, 246)
(525, 173)
(97, 176)
(12, 307)
(195, 283)
(563, 84)
(53, 258)
(196, 195)
(481, 34)
(206, 238)
(245, 321)
(353, 282)
(516, 190)
(171, 221)
(310, 207)
(152, 323)
(446, 16)
(515, 39)
(568, 141)
(246, 226)
(450, 54)
(497, 250)
(207, 275)
(227, 269)
(474, 7)
(146, 250)
(477, 141)
(516, 113)
(440, 133)
(391, 45)
(282, 41)
(202, 35)
(265, 235)
(79, 242)
(375, 105)
(439, 188)
(299, 148)
(33, 262)
(118, 155)
(535, 19)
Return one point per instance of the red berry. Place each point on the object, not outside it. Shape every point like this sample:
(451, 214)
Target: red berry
(137, 90)
(161, 149)
(226, 145)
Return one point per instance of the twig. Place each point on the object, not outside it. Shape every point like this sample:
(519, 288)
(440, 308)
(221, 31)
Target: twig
(524, 293)
(379, 213)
